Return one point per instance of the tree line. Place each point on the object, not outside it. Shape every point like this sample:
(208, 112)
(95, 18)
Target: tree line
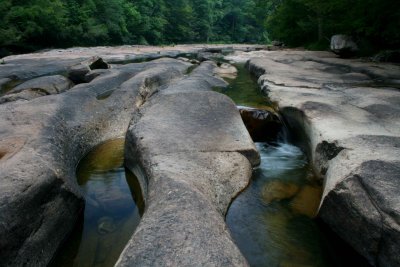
(34, 24)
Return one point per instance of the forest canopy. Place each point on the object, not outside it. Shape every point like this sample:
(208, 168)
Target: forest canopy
(34, 24)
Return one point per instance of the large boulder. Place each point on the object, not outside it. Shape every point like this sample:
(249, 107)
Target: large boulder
(343, 45)
(353, 128)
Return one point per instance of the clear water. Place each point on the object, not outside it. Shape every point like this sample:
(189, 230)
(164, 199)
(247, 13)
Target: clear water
(272, 220)
(113, 209)
(244, 90)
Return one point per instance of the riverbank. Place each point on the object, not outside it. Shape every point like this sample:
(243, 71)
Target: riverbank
(347, 108)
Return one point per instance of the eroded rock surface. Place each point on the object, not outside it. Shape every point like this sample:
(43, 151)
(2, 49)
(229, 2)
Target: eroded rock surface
(43, 138)
(197, 155)
(350, 111)
(41, 86)
(42, 141)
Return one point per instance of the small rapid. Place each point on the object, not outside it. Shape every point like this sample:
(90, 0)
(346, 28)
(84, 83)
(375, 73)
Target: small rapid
(274, 220)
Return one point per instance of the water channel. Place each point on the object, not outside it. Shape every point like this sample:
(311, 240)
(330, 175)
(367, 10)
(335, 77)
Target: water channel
(273, 220)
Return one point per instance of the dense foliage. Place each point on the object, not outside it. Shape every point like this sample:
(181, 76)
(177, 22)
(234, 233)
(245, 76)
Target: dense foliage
(374, 24)
(33, 24)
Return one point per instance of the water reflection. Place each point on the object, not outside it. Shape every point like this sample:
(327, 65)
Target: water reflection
(271, 221)
(244, 90)
(114, 205)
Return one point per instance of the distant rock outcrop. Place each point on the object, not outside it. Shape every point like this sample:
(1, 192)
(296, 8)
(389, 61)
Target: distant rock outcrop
(343, 45)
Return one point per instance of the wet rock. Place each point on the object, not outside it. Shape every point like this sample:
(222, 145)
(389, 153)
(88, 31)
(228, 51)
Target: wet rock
(354, 137)
(106, 225)
(307, 200)
(263, 125)
(343, 45)
(276, 190)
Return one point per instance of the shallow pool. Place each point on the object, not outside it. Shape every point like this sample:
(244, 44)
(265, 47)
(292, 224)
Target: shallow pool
(272, 220)
(114, 205)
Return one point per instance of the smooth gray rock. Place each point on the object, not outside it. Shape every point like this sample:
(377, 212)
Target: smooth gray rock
(48, 84)
(198, 120)
(197, 156)
(24, 95)
(78, 72)
(351, 117)
(56, 61)
(343, 45)
(42, 141)
(184, 224)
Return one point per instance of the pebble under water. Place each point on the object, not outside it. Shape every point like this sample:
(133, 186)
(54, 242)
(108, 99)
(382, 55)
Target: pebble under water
(114, 205)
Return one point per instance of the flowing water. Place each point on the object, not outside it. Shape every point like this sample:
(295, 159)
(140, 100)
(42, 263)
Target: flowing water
(114, 205)
(273, 220)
